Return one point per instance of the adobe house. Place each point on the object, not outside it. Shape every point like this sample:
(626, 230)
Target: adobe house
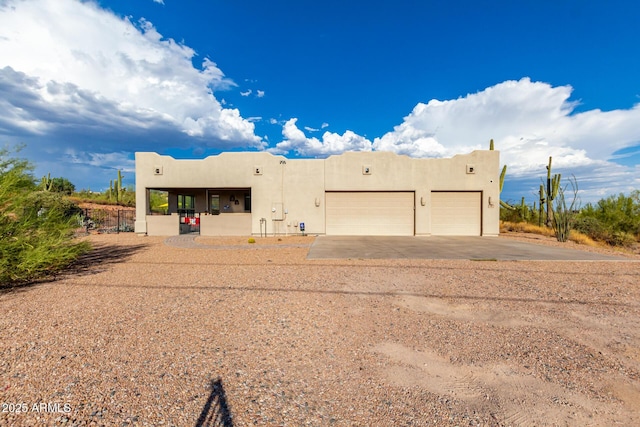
(355, 193)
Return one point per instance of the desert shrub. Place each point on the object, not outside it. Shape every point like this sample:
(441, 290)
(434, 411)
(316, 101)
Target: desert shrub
(614, 220)
(509, 215)
(564, 215)
(592, 227)
(518, 213)
(621, 238)
(36, 227)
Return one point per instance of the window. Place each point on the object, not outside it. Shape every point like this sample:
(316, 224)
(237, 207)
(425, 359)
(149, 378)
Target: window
(214, 204)
(186, 203)
(158, 202)
(247, 202)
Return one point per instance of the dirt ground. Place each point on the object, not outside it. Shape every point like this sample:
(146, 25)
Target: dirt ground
(234, 334)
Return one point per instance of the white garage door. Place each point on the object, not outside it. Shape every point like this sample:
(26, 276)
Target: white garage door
(370, 213)
(456, 213)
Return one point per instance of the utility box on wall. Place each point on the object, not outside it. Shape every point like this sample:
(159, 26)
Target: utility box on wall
(277, 212)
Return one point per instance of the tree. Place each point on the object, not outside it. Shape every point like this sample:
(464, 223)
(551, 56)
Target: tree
(59, 185)
(63, 185)
(36, 226)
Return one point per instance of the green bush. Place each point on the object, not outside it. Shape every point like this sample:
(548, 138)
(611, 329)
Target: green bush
(615, 219)
(62, 185)
(36, 226)
(59, 185)
(592, 227)
(510, 215)
(621, 238)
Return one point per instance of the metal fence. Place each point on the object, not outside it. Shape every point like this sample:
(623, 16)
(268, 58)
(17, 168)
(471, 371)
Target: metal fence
(108, 221)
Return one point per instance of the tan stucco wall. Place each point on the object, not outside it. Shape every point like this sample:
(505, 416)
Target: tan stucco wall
(390, 172)
(295, 188)
(235, 224)
(161, 225)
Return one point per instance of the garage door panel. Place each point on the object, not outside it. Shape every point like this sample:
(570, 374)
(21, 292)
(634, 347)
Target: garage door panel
(456, 213)
(370, 213)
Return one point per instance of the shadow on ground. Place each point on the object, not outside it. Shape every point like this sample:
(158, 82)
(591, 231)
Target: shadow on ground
(215, 412)
(94, 261)
(101, 256)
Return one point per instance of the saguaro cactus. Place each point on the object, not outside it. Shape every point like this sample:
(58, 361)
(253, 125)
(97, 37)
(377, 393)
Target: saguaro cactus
(553, 183)
(115, 188)
(118, 187)
(46, 182)
(541, 208)
(503, 173)
(524, 210)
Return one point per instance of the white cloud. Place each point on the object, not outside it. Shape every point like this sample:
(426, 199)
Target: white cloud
(159, 1)
(324, 125)
(259, 94)
(529, 121)
(331, 143)
(310, 129)
(247, 93)
(85, 67)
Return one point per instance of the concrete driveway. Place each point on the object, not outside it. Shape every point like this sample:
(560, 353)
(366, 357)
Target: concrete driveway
(443, 247)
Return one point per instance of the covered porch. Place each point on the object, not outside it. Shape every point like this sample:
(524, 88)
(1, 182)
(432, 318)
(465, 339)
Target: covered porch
(204, 211)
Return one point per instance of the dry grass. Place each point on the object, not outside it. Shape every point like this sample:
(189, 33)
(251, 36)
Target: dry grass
(523, 227)
(583, 239)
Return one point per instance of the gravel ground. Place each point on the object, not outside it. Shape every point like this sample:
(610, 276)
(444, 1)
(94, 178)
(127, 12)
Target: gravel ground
(144, 333)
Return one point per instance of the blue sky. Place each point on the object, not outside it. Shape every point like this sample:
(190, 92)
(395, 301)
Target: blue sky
(86, 84)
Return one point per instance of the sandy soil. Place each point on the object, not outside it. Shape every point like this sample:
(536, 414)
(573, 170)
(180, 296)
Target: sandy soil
(144, 333)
